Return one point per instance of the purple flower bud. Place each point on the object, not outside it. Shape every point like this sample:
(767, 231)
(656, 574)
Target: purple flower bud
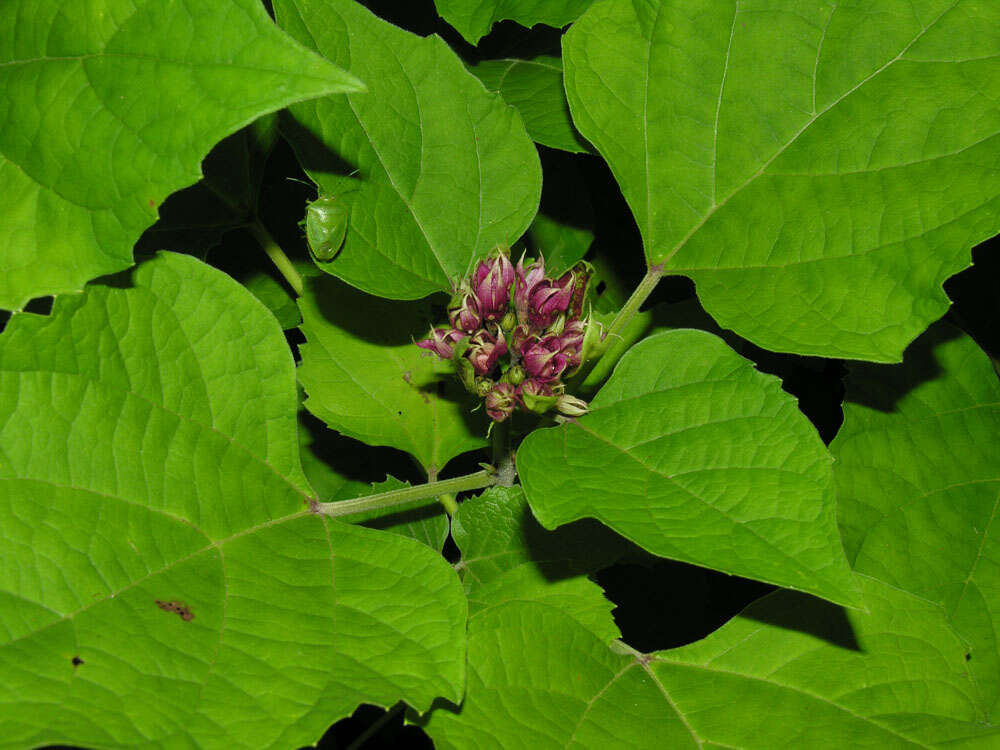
(441, 340)
(571, 342)
(500, 402)
(547, 300)
(544, 360)
(572, 406)
(485, 349)
(491, 283)
(527, 279)
(463, 311)
(520, 337)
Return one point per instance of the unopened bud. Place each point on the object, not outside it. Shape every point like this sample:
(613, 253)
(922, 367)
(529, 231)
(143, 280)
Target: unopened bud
(509, 321)
(500, 402)
(572, 406)
(514, 375)
(483, 386)
(466, 373)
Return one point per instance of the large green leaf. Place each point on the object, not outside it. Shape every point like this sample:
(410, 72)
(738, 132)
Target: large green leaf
(791, 672)
(445, 170)
(703, 460)
(148, 454)
(496, 533)
(194, 220)
(365, 378)
(817, 168)
(535, 87)
(108, 107)
(474, 18)
(918, 482)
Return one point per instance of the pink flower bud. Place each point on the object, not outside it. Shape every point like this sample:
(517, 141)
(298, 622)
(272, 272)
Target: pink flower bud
(547, 300)
(544, 360)
(527, 279)
(571, 343)
(491, 283)
(520, 337)
(485, 349)
(500, 402)
(463, 312)
(441, 340)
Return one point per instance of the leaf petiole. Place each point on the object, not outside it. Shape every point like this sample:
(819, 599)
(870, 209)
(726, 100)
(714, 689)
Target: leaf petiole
(277, 255)
(478, 480)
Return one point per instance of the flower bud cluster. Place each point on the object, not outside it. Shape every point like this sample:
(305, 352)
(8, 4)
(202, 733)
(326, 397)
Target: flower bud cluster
(515, 334)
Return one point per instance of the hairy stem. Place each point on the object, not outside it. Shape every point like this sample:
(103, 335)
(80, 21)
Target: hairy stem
(485, 478)
(277, 256)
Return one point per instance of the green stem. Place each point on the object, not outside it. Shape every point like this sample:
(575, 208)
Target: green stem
(632, 304)
(475, 481)
(503, 456)
(449, 503)
(277, 256)
(621, 319)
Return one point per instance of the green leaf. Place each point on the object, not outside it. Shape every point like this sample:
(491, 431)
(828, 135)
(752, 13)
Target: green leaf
(561, 244)
(275, 297)
(576, 596)
(496, 533)
(193, 220)
(918, 483)
(445, 171)
(365, 377)
(424, 520)
(148, 453)
(474, 18)
(705, 460)
(817, 169)
(790, 672)
(535, 87)
(107, 108)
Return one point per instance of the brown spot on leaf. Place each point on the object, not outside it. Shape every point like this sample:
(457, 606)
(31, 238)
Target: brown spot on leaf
(179, 608)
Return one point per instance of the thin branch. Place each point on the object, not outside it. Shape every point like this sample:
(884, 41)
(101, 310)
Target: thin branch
(485, 478)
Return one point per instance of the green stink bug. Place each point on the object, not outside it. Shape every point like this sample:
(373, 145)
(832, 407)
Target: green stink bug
(326, 227)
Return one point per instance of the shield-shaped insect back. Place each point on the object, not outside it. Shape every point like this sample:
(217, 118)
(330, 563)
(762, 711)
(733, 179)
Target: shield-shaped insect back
(326, 226)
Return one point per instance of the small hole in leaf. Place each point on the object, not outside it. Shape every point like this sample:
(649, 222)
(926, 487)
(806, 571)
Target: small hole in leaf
(77, 661)
(601, 287)
(968, 657)
(399, 413)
